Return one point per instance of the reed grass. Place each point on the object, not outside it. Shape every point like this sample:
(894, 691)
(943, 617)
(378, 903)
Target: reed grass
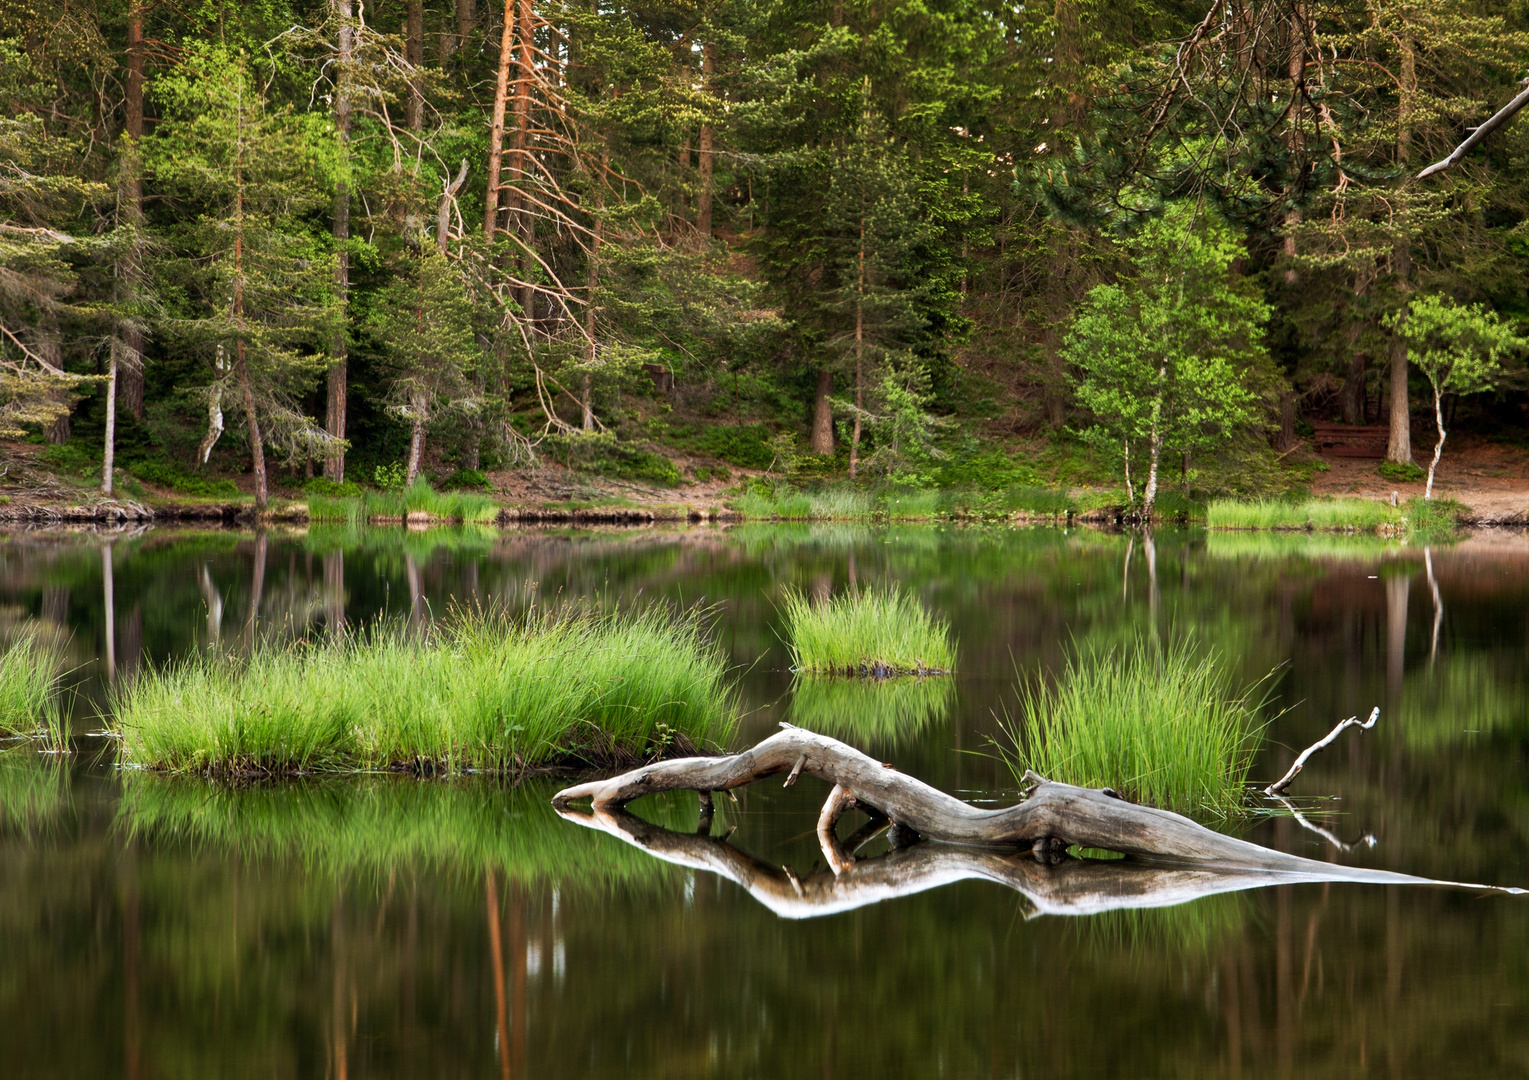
(30, 671)
(878, 632)
(882, 713)
(917, 504)
(469, 507)
(841, 504)
(1359, 515)
(482, 691)
(1159, 724)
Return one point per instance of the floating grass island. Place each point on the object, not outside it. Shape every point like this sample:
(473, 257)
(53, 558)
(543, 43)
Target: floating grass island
(482, 692)
(1159, 724)
(877, 633)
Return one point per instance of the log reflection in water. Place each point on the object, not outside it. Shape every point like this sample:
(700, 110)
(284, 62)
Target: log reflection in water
(1071, 886)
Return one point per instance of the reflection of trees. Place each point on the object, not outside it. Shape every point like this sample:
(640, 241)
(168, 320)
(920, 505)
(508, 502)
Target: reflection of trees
(871, 712)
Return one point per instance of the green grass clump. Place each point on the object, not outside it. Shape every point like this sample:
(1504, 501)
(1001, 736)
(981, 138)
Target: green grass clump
(469, 507)
(877, 632)
(481, 692)
(784, 503)
(1363, 515)
(840, 504)
(30, 669)
(1159, 725)
(870, 712)
(1440, 516)
(917, 504)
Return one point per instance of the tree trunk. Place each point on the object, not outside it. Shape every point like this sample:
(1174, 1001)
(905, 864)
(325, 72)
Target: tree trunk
(822, 415)
(50, 346)
(854, 439)
(1399, 448)
(414, 55)
(257, 448)
(108, 450)
(1352, 398)
(416, 442)
(336, 390)
(130, 373)
(705, 164)
(1438, 447)
(1149, 494)
(491, 197)
(522, 165)
(241, 368)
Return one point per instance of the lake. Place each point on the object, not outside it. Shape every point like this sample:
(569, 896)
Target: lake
(381, 925)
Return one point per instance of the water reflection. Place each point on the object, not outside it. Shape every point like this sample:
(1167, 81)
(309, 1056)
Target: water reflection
(872, 713)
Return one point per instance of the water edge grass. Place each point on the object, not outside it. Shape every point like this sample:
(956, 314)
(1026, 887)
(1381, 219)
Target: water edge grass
(31, 668)
(1161, 724)
(481, 691)
(1357, 515)
(876, 631)
(468, 507)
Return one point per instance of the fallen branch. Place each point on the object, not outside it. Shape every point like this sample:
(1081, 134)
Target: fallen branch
(1284, 782)
(1498, 119)
(1051, 817)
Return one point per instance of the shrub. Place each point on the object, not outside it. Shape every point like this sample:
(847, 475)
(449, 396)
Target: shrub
(1159, 725)
(389, 477)
(328, 489)
(466, 478)
(169, 476)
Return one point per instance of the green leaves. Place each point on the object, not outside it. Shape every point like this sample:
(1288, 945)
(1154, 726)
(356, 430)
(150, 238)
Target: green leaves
(1458, 346)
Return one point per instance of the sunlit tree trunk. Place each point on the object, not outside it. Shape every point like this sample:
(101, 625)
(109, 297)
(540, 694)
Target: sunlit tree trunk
(521, 168)
(416, 437)
(108, 452)
(1438, 447)
(496, 128)
(130, 165)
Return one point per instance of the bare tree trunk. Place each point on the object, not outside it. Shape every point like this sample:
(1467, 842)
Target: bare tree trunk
(467, 15)
(336, 388)
(1399, 448)
(130, 373)
(1438, 447)
(491, 199)
(854, 439)
(822, 415)
(522, 168)
(1352, 398)
(414, 55)
(416, 444)
(705, 164)
(108, 450)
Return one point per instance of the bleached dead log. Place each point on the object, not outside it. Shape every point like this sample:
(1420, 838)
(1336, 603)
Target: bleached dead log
(1069, 887)
(1497, 120)
(1279, 786)
(1053, 815)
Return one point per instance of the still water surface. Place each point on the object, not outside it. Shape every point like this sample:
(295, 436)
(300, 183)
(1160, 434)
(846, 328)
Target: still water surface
(381, 926)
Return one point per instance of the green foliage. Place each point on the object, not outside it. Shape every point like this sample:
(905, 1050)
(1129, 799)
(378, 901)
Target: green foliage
(465, 478)
(184, 483)
(745, 445)
(1401, 472)
(876, 632)
(328, 489)
(602, 453)
(485, 692)
(1159, 724)
(389, 477)
(1170, 358)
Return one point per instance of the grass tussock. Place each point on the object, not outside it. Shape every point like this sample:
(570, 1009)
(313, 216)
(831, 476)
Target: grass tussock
(875, 632)
(1160, 725)
(485, 692)
(468, 507)
(30, 671)
(1357, 515)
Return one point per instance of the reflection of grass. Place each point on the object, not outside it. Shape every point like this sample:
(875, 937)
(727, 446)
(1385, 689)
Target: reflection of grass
(880, 711)
(1191, 930)
(1459, 698)
(29, 673)
(421, 543)
(482, 692)
(385, 825)
(33, 790)
(1157, 724)
(883, 629)
(1292, 545)
(1360, 514)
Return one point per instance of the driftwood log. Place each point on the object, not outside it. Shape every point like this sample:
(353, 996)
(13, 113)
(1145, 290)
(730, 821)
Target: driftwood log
(1016, 840)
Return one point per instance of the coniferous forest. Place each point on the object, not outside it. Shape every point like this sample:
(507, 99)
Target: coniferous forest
(253, 246)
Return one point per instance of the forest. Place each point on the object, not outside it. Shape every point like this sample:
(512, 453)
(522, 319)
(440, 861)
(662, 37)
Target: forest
(904, 242)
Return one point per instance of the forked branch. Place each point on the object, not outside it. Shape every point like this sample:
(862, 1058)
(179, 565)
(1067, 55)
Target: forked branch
(1279, 786)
